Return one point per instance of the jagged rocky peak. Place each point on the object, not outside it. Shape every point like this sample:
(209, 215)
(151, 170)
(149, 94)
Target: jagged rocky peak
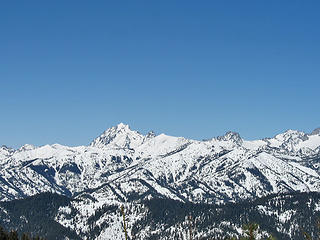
(121, 126)
(231, 136)
(120, 136)
(27, 147)
(150, 134)
(316, 131)
(6, 149)
(290, 135)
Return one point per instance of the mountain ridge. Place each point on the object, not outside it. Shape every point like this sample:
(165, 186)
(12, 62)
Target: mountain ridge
(124, 167)
(122, 127)
(162, 158)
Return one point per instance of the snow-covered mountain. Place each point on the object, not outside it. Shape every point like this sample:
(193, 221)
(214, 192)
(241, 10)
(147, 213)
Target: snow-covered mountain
(225, 168)
(122, 165)
(119, 137)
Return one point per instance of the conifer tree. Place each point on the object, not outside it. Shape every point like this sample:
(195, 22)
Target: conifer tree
(3, 234)
(250, 231)
(13, 235)
(25, 237)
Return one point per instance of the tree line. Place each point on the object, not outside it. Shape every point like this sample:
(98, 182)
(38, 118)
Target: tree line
(13, 235)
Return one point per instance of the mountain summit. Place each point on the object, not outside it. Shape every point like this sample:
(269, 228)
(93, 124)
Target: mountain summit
(316, 131)
(118, 137)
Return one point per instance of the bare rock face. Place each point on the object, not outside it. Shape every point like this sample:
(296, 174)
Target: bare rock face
(316, 131)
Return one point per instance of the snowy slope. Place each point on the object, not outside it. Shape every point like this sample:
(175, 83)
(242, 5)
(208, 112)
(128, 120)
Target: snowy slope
(122, 166)
(225, 168)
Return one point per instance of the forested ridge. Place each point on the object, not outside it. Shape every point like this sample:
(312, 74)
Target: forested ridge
(282, 216)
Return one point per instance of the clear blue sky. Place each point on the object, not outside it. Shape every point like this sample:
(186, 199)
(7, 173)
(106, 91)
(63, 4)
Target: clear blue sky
(71, 69)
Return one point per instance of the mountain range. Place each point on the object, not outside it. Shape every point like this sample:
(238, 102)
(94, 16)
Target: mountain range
(124, 167)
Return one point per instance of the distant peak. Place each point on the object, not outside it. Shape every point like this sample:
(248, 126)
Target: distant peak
(27, 147)
(291, 137)
(316, 131)
(5, 147)
(230, 133)
(122, 125)
(291, 133)
(119, 136)
(119, 128)
(231, 136)
(150, 134)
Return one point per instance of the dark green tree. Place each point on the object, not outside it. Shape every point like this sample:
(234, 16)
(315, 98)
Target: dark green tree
(25, 237)
(3, 234)
(13, 235)
(250, 231)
